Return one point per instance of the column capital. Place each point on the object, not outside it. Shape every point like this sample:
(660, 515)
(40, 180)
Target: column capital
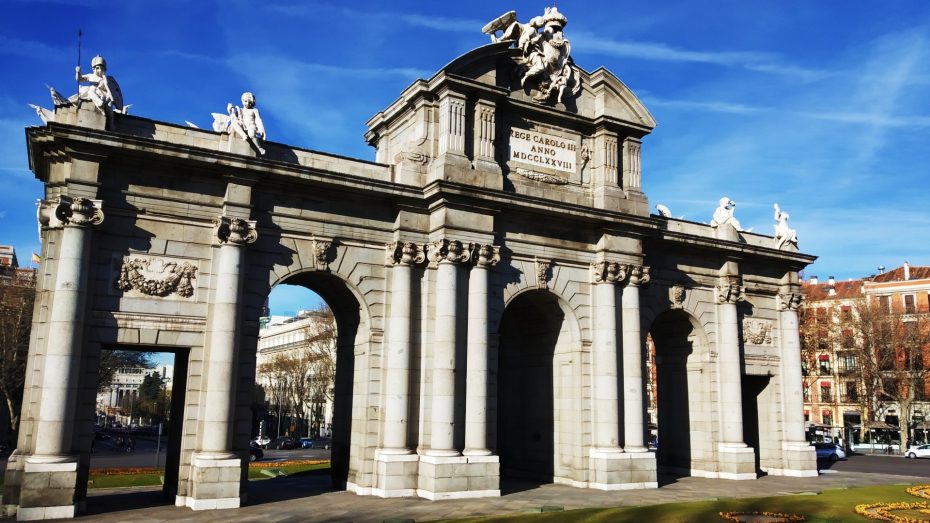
(484, 255)
(447, 251)
(730, 289)
(639, 275)
(68, 210)
(403, 253)
(235, 231)
(608, 272)
(788, 300)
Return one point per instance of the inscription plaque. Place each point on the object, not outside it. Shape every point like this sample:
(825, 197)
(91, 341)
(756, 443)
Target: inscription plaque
(543, 150)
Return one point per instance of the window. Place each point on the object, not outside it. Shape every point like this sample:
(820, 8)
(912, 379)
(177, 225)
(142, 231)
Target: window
(849, 362)
(827, 418)
(824, 365)
(806, 391)
(884, 303)
(852, 394)
(825, 396)
(849, 341)
(807, 415)
(846, 313)
(909, 304)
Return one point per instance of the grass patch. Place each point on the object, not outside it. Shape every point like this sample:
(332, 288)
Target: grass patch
(830, 506)
(115, 478)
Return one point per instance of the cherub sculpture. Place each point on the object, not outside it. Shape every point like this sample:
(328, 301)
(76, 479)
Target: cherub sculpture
(246, 122)
(783, 234)
(724, 214)
(547, 62)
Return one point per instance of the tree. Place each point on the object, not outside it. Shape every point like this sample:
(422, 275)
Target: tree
(320, 334)
(17, 298)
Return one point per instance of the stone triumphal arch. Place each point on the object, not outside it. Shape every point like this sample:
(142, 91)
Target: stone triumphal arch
(494, 275)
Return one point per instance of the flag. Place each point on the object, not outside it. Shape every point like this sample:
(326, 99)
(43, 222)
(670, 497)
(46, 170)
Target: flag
(36, 258)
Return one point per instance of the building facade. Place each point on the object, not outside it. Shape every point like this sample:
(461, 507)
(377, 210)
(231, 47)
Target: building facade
(837, 362)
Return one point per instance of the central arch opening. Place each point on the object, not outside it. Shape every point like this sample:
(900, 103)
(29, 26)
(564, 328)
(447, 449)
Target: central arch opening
(324, 420)
(530, 333)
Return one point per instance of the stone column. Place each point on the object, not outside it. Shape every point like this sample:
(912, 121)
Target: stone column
(800, 459)
(737, 461)
(633, 427)
(401, 256)
(447, 254)
(604, 390)
(50, 473)
(216, 467)
(476, 382)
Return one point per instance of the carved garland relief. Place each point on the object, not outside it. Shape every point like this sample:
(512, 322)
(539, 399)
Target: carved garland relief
(157, 277)
(757, 331)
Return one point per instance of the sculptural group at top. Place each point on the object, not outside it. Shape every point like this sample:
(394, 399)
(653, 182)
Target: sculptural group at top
(96, 87)
(547, 64)
(724, 214)
(245, 122)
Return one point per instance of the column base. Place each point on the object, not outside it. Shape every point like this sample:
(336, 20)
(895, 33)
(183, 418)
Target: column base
(613, 469)
(215, 482)
(736, 461)
(48, 486)
(798, 460)
(395, 474)
(458, 477)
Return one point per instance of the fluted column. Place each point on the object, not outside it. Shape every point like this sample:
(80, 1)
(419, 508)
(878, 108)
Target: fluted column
(401, 256)
(792, 396)
(604, 392)
(233, 234)
(476, 381)
(729, 293)
(633, 428)
(54, 427)
(447, 254)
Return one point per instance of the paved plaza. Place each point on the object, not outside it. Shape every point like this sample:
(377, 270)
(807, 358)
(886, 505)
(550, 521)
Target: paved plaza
(307, 499)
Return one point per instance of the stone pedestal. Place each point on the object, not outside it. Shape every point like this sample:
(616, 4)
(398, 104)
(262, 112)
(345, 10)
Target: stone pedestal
(396, 475)
(622, 470)
(214, 483)
(458, 477)
(47, 490)
(800, 460)
(736, 462)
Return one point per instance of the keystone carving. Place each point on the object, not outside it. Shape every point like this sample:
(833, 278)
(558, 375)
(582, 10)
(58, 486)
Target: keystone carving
(452, 251)
(608, 272)
(678, 296)
(543, 272)
(730, 289)
(404, 253)
(485, 255)
(235, 230)
(321, 253)
(155, 277)
(757, 332)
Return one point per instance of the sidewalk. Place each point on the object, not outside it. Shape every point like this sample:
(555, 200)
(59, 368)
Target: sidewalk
(305, 498)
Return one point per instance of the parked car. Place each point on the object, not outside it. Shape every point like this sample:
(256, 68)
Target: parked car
(282, 443)
(316, 443)
(261, 441)
(829, 451)
(255, 452)
(918, 451)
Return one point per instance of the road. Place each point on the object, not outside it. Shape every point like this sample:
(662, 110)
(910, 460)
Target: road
(108, 455)
(878, 465)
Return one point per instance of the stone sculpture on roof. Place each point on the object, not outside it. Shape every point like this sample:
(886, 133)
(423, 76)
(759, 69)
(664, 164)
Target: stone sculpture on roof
(245, 122)
(784, 234)
(97, 87)
(547, 64)
(724, 214)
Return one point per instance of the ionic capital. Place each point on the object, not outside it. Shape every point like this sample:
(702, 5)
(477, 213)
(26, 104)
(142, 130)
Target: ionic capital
(447, 251)
(403, 253)
(235, 231)
(485, 255)
(639, 275)
(67, 210)
(730, 289)
(608, 272)
(789, 301)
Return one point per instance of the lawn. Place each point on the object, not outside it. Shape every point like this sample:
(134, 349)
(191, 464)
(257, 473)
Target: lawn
(830, 505)
(110, 478)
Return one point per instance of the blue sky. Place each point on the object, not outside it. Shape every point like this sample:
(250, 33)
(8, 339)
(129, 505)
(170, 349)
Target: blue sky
(821, 106)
